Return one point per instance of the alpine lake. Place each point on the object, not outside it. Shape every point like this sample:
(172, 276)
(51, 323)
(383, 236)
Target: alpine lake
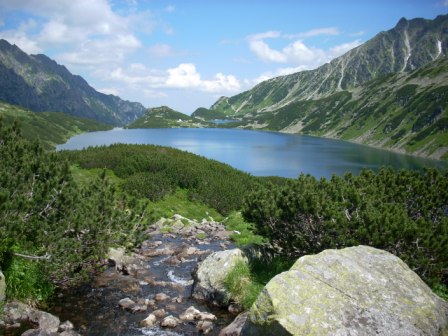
(261, 153)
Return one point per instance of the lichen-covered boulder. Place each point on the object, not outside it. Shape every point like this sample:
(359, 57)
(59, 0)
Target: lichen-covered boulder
(354, 291)
(209, 278)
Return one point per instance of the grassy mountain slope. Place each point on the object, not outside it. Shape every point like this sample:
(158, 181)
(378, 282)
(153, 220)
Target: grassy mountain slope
(406, 112)
(165, 117)
(40, 84)
(50, 127)
(408, 46)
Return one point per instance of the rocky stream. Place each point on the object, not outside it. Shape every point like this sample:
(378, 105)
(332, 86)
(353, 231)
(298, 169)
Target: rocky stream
(148, 292)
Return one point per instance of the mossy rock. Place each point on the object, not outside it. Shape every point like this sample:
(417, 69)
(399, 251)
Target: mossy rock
(211, 273)
(354, 291)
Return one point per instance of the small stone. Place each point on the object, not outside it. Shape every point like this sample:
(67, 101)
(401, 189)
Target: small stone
(151, 303)
(138, 308)
(178, 299)
(205, 327)
(171, 307)
(170, 322)
(161, 297)
(159, 313)
(202, 316)
(189, 314)
(149, 321)
(126, 303)
(67, 325)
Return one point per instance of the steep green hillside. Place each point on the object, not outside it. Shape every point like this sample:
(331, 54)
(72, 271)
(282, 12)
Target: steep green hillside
(208, 114)
(40, 84)
(50, 127)
(165, 117)
(410, 45)
(403, 112)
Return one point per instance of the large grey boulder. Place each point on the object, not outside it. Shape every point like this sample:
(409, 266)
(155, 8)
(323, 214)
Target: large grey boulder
(354, 291)
(211, 273)
(2, 287)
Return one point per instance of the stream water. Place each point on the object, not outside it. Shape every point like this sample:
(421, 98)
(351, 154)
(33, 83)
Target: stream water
(164, 268)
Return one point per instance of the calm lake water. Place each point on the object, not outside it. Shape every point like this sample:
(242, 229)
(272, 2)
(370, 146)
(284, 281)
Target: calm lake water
(260, 153)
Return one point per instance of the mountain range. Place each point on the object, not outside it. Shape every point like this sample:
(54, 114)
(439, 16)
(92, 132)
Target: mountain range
(390, 92)
(40, 84)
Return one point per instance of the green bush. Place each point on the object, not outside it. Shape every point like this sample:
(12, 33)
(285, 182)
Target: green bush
(46, 216)
(155, 172)
(402, 212)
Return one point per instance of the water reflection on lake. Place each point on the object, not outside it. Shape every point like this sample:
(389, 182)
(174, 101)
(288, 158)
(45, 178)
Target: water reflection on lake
(261, 153)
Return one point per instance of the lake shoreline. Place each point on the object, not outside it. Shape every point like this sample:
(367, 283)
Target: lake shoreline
(264, 152)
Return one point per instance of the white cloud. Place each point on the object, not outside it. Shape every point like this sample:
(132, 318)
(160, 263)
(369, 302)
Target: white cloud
(95, 52)
(184, 76)
(297, 53)
(343, 48)
(20, 37)
(317, 32)
(88, 32)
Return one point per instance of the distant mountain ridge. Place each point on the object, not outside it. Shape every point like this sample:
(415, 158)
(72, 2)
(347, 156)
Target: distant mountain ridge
(40, 84)
(408, 46)
(358, 96)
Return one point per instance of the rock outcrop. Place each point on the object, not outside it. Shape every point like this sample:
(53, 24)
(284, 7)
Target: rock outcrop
(16, 313)
(354, 291)
(2, 287)
(209, 278)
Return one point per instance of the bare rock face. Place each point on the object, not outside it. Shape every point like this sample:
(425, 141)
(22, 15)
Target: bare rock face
(209, 278)
(354, 291)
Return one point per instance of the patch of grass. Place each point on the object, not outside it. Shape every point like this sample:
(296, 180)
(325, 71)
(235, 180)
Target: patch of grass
(201, 235)
(179, 203)
(246, 281)
(25, 281)
(241, 286)
(87, 176)
(166, 229)
(441, 290)
(246, 235)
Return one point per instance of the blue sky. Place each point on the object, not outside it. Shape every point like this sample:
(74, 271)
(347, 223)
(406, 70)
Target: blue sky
(186, 54)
